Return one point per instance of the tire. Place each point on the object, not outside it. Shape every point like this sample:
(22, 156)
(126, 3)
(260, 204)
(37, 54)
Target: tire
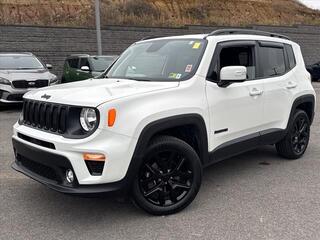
(169, 178)
(295, 143)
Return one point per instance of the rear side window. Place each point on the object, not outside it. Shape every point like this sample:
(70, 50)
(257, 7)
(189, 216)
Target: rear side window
(291, 57)
(272, 61)
(73, 62)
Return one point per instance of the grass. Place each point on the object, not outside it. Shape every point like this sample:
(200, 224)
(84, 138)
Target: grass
(157, 12)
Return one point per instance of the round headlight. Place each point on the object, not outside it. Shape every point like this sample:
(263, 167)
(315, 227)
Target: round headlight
(88, 119)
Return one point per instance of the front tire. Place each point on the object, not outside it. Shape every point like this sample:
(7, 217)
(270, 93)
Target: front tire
(169, 178)
(295, 143)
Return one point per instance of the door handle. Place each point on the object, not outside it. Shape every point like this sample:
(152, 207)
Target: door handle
(255, 92)
(291, 85)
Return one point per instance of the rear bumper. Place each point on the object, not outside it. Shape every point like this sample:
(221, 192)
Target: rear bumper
(49, 169)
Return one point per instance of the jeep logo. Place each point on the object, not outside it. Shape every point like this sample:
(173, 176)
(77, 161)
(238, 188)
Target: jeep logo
(45, 96)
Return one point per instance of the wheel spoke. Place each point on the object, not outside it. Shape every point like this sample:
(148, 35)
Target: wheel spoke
(175, 185)
(153, 190)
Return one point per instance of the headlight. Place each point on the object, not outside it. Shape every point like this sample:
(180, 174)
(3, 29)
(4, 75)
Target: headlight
(4, 81)
(53, 80)
(88, 119)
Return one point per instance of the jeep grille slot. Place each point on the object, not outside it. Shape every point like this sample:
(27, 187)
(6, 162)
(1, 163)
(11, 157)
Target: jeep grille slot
(47, 116)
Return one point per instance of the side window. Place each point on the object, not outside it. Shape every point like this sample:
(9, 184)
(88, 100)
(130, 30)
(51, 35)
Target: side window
(239, 56)
(233, 54)
(272, 61)
(84, 62)
(73, 62)
(291, 57)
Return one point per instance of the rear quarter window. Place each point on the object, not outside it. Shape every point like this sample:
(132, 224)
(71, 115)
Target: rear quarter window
(291, 56)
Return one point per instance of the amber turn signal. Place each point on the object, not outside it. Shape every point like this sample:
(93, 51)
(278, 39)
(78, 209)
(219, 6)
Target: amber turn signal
(112, 113)
(94, 157)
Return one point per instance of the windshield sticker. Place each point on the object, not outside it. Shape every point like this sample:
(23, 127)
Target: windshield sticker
(175, 75)
(188, 68)
(196, 45)
(172, 75)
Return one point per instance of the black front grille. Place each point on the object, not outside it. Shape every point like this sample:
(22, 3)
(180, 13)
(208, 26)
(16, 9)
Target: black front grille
(36, 141)
(47, 116)
(30, 84)
(37, 168)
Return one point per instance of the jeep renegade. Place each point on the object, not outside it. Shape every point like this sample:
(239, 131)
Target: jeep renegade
(167, 108)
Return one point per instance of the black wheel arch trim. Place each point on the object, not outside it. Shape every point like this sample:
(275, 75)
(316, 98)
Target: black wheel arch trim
(157, 126)
(308, 98)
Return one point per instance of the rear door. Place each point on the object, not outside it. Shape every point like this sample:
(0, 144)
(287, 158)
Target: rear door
(276, 67)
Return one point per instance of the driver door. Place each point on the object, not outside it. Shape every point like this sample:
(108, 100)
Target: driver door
(236, 110)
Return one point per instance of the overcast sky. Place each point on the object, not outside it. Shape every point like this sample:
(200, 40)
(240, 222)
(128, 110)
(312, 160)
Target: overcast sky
(312, 3)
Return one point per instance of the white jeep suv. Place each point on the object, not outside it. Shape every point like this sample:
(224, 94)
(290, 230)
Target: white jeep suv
(167, 108)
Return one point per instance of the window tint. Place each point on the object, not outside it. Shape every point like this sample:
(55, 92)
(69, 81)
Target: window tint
(73, 63)
(84, 62)
(291, 57)
(272, 62)
(239, 56)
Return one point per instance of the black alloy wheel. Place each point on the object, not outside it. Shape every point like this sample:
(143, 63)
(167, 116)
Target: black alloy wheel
(295, 143)
(169, 177)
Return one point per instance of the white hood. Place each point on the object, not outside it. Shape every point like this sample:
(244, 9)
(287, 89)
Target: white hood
(94, 92)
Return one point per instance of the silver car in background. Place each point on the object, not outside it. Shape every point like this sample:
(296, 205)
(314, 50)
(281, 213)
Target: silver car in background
(20, 73)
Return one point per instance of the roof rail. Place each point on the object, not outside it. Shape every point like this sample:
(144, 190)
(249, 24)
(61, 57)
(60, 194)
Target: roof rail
(245, 31)
(149, 37)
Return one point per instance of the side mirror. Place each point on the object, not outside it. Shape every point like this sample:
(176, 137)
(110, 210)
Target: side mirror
(232, 74)
(85, 68)
(49, 66)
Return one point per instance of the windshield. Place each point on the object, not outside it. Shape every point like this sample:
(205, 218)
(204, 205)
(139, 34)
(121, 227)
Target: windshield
(99, 64)
(14, 62)
(159, 60)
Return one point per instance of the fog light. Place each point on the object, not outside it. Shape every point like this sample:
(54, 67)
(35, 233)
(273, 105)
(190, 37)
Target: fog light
(69, 176)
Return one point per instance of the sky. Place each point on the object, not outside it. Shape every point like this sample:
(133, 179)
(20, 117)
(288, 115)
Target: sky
(311, 3)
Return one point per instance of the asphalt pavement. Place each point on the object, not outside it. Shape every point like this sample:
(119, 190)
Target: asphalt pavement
(256, 195)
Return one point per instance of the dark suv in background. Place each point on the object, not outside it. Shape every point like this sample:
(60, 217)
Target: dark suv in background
(82, 66)
(20, 73)
(314, 70)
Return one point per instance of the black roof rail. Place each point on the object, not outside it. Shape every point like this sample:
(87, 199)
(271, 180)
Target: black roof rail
(245, 31)
(149, 37)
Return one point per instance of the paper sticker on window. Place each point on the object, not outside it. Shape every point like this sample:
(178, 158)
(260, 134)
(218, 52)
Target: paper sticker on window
(188, 68)
(172, 75)
(178, 76)
(196, 45)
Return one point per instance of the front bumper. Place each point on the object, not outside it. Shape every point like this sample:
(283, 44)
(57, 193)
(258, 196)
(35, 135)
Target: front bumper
(49, 169)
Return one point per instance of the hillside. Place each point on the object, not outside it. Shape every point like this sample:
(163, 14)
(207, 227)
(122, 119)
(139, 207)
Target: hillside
(157, 12)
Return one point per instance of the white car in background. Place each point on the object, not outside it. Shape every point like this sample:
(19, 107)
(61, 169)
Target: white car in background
(20, 73)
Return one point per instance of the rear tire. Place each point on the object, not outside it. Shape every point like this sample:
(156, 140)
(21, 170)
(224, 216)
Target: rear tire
(295, 143)
(169, 178)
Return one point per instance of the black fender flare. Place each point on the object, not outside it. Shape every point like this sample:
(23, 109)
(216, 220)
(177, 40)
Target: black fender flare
(162, 124)
(309, 98)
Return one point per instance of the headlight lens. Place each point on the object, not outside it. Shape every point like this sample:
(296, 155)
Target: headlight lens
(53, 80)
(88, 119)
(4, 81)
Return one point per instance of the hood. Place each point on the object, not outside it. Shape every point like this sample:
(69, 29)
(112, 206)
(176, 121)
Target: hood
(29, 75)
(94, 92)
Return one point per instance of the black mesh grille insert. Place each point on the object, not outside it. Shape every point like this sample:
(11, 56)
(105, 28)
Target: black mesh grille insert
(38, 168)
(95, 167)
